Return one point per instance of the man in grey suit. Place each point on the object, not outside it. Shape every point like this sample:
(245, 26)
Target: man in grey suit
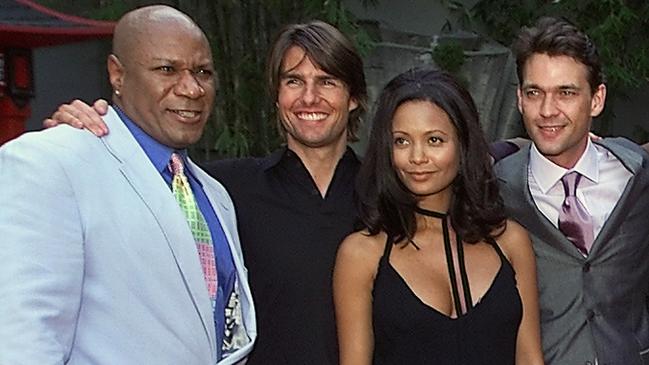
(592, 252)
(98, 262)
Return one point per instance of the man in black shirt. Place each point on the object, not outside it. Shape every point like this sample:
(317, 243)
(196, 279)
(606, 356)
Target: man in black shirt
(295, 206)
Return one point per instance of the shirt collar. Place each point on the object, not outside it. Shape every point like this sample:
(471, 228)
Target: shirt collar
(284, 154)
(547, 173)
(158, 153)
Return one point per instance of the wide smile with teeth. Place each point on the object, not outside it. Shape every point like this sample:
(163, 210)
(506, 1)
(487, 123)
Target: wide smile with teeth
(186, 113)
(312, 116)
(551, 129)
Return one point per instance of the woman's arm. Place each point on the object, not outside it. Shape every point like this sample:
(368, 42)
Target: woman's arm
(353, 280)
(518, 248)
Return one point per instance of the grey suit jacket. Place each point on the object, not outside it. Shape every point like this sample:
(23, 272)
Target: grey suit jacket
(594, 307)
(97, 263)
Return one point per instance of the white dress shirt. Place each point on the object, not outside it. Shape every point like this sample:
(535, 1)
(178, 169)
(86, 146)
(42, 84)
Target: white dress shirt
(604, 180)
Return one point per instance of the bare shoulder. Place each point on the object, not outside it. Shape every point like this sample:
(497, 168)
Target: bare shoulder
(361, 246)
(514, 241)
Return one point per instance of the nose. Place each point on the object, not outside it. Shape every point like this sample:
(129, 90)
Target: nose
(548, 106)
(310, 94)
(418, 154)
(187, 85)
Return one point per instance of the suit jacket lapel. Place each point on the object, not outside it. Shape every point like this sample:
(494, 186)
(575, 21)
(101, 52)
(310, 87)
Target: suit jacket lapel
(633, 162)
(156, 195)
(218, 199)
(523, 208)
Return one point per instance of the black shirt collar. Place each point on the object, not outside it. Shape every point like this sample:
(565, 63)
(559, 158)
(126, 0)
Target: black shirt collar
(285, 155)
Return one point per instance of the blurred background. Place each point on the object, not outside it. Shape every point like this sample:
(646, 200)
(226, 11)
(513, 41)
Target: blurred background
(469, 38)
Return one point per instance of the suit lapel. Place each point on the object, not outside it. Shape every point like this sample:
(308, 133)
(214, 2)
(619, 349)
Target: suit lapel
(243, 314)
(514, 175)
(633, 162)
(156, 195)
(218, 199)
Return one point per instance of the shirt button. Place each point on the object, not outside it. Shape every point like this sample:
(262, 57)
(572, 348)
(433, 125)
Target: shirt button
(586, 267)
(590, 314)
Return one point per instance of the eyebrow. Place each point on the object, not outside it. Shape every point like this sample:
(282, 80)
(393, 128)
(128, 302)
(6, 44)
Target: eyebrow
(560, 87)
(296, 75)
(205, 63)
(432, 131)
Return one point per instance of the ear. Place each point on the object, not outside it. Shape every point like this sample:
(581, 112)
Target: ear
(519, 100)
(597, 100)
(115, 72)
(353, 104)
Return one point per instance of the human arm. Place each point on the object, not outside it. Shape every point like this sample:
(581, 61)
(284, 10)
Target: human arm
(503, 148)
(41, 256)
(353, 280)
(518, 248)
(80, 115)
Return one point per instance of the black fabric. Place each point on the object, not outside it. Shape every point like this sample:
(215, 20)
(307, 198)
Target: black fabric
(407, 331)
(289, 236)
(501, 149)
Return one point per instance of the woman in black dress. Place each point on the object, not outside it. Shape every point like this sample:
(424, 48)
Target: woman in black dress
(438, 275)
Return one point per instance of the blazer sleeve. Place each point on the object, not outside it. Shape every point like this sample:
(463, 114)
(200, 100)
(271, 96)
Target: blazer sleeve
(41, 254)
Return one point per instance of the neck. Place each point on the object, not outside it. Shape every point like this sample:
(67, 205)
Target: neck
(569, 159)
(438, 202)
(321, 162)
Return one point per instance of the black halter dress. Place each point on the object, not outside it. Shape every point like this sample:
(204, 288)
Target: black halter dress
(407, 331)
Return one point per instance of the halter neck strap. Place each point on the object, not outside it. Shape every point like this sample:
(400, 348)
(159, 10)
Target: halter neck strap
(430, 213)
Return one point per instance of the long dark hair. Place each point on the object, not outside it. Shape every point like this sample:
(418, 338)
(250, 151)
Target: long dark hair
(385, 204)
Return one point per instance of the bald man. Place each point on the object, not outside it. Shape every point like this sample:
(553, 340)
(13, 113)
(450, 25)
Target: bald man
(119, 250)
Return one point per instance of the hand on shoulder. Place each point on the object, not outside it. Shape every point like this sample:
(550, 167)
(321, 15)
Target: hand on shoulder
(80, 115)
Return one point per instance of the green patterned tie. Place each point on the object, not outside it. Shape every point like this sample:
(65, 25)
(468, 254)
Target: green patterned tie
(201, 232)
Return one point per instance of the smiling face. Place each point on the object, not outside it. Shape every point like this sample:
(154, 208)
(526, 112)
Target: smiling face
(313, 105)
(557, 106)
(425, 152)
(166, 81)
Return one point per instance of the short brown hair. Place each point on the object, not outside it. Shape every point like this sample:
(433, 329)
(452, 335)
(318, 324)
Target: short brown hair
(558, 37)
(329, 50)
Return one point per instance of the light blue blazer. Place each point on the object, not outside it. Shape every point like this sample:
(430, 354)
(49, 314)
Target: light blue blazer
(97, 264)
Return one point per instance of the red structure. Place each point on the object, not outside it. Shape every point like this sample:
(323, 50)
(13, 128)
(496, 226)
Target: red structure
(25, 25)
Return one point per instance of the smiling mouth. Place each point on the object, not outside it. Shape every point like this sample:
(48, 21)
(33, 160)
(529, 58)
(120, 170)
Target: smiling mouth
(189, 114)
(551, 129)
(312, 116)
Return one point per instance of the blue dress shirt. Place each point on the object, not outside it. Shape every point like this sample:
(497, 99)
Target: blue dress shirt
(160, 155)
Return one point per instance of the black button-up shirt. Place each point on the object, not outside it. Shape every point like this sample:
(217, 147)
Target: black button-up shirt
(289, 236)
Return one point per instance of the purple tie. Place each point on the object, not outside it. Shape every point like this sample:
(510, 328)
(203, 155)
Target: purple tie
(574, 221)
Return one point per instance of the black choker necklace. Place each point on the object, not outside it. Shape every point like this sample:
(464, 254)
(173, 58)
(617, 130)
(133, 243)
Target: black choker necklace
(430, 213)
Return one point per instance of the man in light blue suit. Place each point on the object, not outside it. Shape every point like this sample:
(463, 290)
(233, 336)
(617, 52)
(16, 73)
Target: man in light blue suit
(98, 263)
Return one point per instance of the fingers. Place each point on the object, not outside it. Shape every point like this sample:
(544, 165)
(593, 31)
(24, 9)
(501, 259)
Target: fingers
(65, 115)
(594, 137)
(80, 115)
(101, 106)
(49, 123)
(90, 118)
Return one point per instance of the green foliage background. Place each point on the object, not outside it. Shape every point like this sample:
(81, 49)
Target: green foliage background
(241, 30)
(619, 28)
(243, 122)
